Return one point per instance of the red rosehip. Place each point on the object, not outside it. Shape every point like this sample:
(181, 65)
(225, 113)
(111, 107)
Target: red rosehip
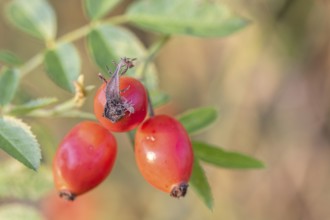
(164, 154)
(84, 159)
(121, 103)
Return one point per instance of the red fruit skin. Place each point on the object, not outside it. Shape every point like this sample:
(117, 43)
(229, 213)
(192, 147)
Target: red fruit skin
(84, 158)
(163, 152)
(135, 94)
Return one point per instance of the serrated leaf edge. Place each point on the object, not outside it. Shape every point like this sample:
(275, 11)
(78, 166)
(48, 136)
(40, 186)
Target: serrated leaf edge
(27, 129)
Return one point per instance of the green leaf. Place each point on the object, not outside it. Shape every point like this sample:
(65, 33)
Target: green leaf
(200, 184)
(19, 183)
(18, 211)
(10, 58)
(109, 43)
(188, 17)
(32, 105)
(158, 98)
(96, 9)
(9, 79)
(35, 17)
(196, 120)
(216, 156)
(63, 65)
(18, 141)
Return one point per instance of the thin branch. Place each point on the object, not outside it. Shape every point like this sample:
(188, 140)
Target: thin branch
(31, 64)
(83, 31)
(153, 52)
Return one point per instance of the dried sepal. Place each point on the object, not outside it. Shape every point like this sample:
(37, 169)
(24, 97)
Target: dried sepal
(116, 106)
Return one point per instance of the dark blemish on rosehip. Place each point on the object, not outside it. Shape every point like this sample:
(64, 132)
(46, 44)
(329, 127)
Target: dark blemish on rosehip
(116, 106)
(179, 190)
(67, 195)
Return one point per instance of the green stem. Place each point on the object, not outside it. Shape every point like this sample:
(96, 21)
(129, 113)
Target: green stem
(152, 53)
(65, 109)
(83, 31)
(75, 35)
(131, 137)
(155, 48)
(42, 113)
(120, 19)
(31, 64)
(151, 108)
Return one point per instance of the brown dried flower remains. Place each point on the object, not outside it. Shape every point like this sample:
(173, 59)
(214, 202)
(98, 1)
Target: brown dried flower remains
(117, 106)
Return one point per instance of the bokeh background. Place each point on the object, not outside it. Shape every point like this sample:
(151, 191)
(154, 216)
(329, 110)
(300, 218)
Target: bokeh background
(271, 84)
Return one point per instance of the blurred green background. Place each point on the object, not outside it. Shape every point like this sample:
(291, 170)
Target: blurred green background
(271, 85)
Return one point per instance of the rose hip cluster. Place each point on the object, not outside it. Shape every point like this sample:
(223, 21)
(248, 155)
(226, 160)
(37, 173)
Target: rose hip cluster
(86, 155)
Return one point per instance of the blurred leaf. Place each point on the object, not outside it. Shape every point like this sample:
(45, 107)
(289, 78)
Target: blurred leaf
(32, 105)
(10, 58)
(158, 98)
(189, 17)
(48, 141)
(19, 212)
(216, 156)
(109, 43)
(96, 9)
(200, 184)
(9, 79)
(19, 183)
(63, 65)
(35, 17)
(196, 120)
(18, 141)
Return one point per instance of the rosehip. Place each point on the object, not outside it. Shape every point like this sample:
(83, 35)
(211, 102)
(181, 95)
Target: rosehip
(164, 154)
(120, 104)
(84, 159)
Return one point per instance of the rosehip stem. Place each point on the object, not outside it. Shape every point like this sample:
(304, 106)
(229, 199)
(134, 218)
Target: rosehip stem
(151, 108)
